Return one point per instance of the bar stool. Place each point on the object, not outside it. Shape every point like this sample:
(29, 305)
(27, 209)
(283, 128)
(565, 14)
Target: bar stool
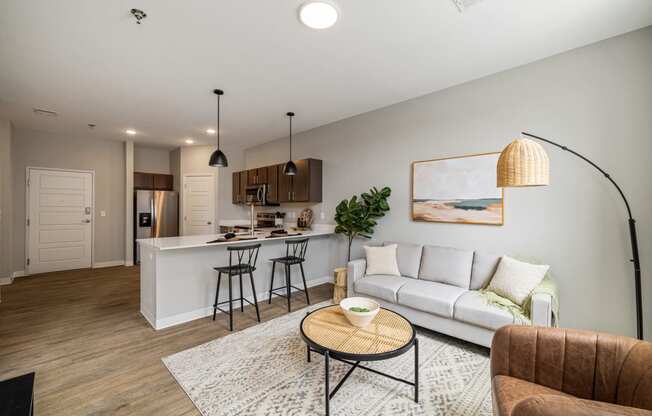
(242, 260)
(295, 253)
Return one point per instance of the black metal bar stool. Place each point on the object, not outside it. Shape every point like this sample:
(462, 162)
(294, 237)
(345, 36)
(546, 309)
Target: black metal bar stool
(245, 262)
(295, 253)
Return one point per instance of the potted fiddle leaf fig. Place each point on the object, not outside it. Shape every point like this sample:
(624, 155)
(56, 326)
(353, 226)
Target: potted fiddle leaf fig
(357, 217)
(354, 218)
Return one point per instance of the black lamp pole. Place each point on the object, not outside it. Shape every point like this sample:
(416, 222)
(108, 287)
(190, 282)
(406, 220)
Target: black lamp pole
(632, 233)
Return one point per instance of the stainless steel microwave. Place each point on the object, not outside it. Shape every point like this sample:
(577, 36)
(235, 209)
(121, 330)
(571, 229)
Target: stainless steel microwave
(256, 194)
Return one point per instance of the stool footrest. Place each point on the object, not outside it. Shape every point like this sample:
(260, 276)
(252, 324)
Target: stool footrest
(285, 289)
(234, 300)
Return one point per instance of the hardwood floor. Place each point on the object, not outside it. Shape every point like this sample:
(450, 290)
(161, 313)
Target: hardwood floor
(93, 353)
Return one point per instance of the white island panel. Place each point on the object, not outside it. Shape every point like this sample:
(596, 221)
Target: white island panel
(178, 281)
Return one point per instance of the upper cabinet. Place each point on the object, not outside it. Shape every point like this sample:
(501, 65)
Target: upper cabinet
(305, 186)
(153, 181)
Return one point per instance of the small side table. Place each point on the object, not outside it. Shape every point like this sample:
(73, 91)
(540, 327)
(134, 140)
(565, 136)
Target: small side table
(339, 291)
(17, 396)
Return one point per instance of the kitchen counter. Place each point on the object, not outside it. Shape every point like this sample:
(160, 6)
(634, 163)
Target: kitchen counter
(178, 282)
(194, 241)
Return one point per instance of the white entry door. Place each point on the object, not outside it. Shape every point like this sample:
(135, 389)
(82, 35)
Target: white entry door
(198, 204)
(59, 228)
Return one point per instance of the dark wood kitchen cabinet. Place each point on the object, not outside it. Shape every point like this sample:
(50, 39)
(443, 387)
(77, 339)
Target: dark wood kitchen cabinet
(235, 190)
(305, 186)
(153, 181)
(272, 183)
(257, 176)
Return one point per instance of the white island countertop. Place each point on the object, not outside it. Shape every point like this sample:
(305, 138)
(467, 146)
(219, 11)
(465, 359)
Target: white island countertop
(194, 241)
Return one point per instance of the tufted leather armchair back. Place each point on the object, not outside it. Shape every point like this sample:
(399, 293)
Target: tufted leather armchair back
(587, 365)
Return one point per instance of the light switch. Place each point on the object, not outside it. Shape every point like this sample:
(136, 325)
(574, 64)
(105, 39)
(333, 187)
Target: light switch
(102, 213)
(322, 216)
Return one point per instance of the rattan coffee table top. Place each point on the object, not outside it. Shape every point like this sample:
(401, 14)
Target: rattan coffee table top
(329, 328)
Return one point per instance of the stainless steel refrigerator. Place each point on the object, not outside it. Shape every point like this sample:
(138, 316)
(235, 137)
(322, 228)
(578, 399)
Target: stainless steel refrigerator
(156, 214)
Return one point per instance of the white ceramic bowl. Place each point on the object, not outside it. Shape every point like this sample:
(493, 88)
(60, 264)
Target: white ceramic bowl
(359, 319)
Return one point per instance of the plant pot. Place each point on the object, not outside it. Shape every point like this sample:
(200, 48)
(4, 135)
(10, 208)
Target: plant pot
(339, 292)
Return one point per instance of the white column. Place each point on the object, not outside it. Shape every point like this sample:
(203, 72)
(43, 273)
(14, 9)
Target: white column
(129, 205)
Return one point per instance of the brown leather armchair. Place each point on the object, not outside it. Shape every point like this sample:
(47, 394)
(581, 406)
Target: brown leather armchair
(549, 371)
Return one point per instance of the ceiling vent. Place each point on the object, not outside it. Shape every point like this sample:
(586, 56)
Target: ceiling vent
(42, 112)
(464, 4)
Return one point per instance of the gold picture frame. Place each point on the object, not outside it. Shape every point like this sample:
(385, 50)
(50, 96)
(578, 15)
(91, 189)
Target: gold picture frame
(458, 190)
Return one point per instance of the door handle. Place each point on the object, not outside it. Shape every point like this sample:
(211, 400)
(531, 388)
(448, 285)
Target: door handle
(209, 223)
(86, 221)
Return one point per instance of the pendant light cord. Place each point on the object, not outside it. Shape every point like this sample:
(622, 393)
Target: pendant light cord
(290, 137)
(218, 122)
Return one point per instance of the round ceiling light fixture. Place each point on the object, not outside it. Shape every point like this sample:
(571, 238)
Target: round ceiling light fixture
(210, 131)
(130, 132)
(189, 141)
(319, 14)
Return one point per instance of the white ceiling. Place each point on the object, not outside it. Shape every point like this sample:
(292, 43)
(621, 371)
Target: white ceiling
(89, 61)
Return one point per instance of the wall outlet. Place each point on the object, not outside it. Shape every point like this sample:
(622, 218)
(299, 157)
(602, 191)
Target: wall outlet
(102, 213)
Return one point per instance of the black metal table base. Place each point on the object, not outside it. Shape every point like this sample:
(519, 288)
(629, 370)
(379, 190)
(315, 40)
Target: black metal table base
(328, 394)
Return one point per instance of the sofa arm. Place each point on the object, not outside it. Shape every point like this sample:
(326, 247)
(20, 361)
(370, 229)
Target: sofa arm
(541, 309)
(552, 405)
(354, 270)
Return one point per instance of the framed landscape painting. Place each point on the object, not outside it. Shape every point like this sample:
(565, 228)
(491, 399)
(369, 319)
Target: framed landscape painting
(458, 190)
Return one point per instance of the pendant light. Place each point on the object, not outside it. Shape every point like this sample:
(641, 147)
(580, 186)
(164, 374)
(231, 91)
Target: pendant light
(218, 159)
(290, 168)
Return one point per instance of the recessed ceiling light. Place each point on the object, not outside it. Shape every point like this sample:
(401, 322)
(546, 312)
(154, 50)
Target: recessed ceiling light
(318, 14)
(130, 132)
(210, 131)
(189, 141)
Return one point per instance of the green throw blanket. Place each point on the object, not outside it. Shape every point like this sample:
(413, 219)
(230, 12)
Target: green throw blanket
(521, 314)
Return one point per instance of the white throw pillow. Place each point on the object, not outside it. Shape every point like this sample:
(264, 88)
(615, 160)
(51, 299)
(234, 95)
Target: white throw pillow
(515, 280)
(382, 260)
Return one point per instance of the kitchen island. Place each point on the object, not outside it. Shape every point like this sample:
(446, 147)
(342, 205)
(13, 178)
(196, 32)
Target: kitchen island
(177, 280)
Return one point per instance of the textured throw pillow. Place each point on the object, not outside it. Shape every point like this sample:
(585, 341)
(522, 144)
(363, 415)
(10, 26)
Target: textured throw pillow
(382, 260)
(515, 280)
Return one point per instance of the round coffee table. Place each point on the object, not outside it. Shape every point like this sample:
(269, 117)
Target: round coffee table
(327, 331)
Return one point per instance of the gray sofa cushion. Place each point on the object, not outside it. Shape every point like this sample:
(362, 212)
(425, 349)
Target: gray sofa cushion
(431, 297)
(484, 267)
(446, 265)
(473, 309)
(408, 257)
(380, 286)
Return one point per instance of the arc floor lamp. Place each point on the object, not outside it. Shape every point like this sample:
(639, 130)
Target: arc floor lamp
(524, 162)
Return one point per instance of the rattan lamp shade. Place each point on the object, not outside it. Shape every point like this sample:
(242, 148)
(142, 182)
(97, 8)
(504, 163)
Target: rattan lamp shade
(523, 163)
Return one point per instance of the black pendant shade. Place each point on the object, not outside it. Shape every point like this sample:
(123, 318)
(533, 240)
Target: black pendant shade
(290, 168)
(218, 158)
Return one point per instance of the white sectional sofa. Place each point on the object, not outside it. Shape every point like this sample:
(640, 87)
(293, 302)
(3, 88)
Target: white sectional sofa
(438, 290)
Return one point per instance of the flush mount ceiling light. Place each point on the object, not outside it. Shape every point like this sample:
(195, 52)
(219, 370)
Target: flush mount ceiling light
(210, 131)
(189, 141)
(318, 14)
(130, 132)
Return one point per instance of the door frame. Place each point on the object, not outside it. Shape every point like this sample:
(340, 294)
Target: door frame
(27, 209)
(182, 197)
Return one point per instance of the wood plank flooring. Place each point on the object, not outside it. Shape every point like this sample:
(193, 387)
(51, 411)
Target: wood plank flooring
(93, 353)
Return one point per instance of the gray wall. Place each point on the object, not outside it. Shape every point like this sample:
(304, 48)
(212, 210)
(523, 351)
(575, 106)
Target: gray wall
(5, 201)
(597, 100)
(106, 157)
(151, 159)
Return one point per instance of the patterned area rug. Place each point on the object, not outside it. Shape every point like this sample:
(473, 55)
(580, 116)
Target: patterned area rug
(262, 371)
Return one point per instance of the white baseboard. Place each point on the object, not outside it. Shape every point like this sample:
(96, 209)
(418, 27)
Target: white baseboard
(129, 263)
(18, 273)
(6, 280)
(111, 263)
(208, 311)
